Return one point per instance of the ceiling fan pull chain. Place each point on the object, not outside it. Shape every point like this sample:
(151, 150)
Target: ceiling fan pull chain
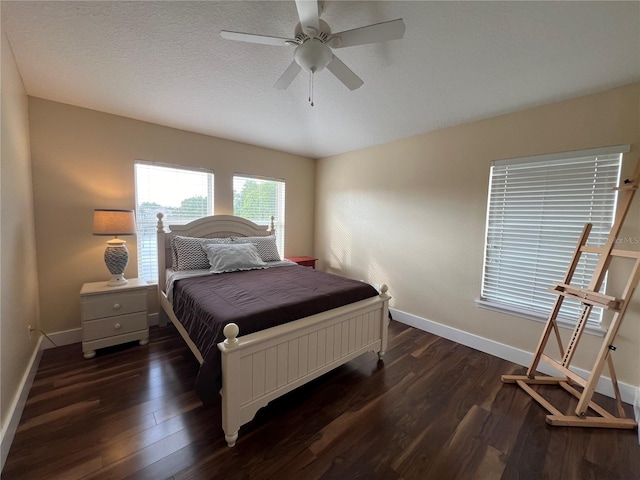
(311, 88)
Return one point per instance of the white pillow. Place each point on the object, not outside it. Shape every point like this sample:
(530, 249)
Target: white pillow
(267, 248)
(233, 257)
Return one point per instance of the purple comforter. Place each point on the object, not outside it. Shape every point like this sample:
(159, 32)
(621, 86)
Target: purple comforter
(255, 300)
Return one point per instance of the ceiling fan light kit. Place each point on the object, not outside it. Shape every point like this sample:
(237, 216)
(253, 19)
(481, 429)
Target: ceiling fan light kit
(314, 43)
(313, 55)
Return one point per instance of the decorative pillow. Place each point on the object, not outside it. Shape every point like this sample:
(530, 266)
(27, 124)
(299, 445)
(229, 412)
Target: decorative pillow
(233, 257)
(188, 253)
(266, 246)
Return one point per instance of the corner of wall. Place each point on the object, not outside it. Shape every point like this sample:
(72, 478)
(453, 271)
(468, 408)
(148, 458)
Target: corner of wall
(20, 354)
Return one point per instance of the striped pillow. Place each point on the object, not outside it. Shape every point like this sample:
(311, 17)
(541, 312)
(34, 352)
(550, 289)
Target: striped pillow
(188, 253)
(266, 246)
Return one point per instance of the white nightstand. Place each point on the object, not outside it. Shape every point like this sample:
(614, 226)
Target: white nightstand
(113, 315)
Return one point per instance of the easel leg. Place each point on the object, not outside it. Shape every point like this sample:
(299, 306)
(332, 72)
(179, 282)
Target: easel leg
(551, 321)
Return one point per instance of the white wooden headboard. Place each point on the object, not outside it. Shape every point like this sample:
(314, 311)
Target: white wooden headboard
(214, 226)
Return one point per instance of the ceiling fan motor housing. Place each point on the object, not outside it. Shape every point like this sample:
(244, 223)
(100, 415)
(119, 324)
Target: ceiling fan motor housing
(313, 55)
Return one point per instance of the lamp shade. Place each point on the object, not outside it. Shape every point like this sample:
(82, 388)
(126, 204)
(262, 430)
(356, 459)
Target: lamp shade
(114, 222)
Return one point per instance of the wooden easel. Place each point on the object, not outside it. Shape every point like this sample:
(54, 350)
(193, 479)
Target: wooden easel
(589, 298)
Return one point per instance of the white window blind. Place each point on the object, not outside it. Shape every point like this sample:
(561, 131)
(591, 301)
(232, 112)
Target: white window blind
(182, 194)
(258, 199)
(537, 209)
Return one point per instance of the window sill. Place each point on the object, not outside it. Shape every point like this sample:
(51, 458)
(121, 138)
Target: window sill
(590, 329)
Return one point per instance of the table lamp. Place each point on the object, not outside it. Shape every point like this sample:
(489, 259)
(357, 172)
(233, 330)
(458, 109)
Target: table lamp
(116, 256)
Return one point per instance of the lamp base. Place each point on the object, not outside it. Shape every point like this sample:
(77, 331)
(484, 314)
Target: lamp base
(117, 280)
(116, 257)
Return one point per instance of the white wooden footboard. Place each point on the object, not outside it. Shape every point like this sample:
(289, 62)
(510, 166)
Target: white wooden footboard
(263, 366)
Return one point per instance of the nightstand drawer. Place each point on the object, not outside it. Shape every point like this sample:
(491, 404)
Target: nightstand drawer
(109, 305)
(108, 327)
(308, 263)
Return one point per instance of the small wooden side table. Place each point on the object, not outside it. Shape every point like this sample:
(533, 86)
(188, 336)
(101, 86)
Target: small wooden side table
(304, 261)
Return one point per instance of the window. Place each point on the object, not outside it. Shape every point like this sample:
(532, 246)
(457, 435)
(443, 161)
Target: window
(182, 194)
(258, 199)
(536, 211)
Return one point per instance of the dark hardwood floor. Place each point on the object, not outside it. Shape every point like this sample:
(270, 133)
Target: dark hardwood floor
(434, 410)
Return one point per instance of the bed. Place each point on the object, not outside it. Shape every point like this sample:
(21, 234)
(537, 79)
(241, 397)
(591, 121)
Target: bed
(258, 364)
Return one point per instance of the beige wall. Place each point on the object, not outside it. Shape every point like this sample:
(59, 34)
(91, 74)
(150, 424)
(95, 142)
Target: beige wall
(18, 276)
(83, 159)
(412, 213)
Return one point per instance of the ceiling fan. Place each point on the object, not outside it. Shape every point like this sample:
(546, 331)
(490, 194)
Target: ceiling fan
(314, 42)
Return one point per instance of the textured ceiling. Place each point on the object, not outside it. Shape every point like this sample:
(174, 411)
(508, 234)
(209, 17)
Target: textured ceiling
(165, 62)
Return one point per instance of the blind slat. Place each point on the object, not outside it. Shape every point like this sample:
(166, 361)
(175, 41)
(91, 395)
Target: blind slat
(182, 194)
(258, 199)
(537, 209)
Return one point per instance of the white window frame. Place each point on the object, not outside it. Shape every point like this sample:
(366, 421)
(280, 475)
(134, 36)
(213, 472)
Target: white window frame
(147, 227)
(563, 191)
(279, 210)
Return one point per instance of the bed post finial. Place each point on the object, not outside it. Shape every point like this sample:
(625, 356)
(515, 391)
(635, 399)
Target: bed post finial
(231, 331)
(272, 226)
(160, 225)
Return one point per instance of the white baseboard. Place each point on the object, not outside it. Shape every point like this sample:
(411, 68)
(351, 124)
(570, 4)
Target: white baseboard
(59, 339)
(68, 337)
(152, 319)
(636, 409)
(629, 393)
(19, 401)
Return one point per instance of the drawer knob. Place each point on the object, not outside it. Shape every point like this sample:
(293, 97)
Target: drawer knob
(116, 306)
(117, 326)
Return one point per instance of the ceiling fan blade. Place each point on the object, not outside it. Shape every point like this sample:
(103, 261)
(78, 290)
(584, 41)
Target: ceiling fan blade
(287, 77)
(379, 32)
(252, 38)
(308, 14)
(344, 73)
